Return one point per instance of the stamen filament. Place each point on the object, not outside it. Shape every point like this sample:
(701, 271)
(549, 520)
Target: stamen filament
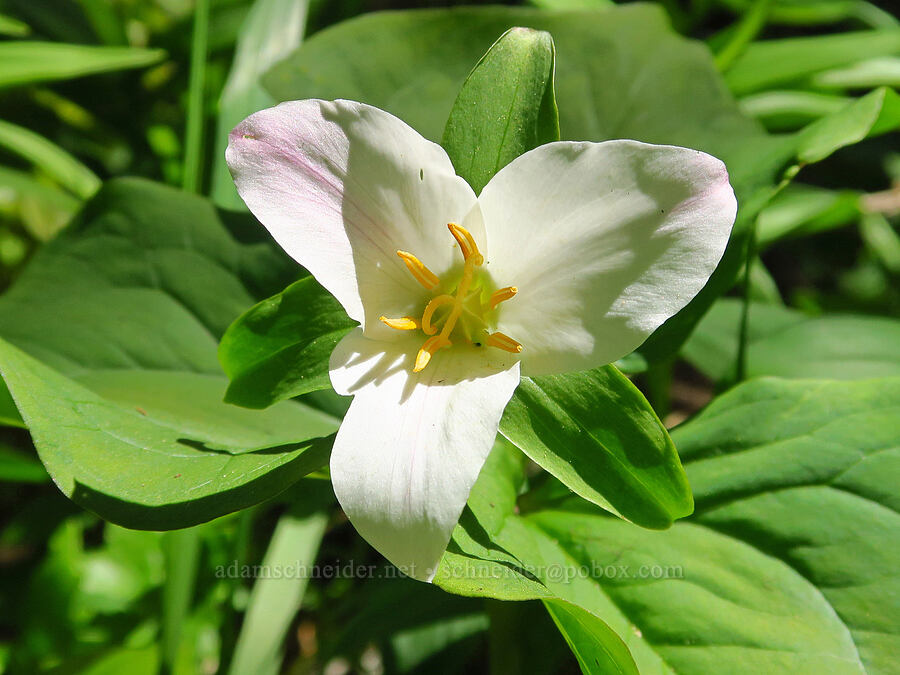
(406, 323)
(466, 243)
(502, 295)
(431, 345)
(503, 342)
(427, 327)
(464, 299)
(421, 273)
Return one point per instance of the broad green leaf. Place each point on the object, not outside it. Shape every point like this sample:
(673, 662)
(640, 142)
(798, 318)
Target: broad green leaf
(598, 649)
(275, 599)
(17, 467)
(772, 63)
(31, 62)
(623, 73)
(279, 348)
(789, 563)
(191, 403)
(597, 434)
(786, 343)
(146, 278)
(130, 467)
(505, 108)
(475, 565)
(49, 157)
(127, 306)
(876, 113)
(272, 29)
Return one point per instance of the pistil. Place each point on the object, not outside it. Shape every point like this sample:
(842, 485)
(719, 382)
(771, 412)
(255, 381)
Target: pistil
(457, 301)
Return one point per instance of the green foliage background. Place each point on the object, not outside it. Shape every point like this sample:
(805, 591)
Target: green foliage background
(140, 302)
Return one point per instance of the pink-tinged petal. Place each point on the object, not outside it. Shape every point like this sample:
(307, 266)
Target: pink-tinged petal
(341, 186)
(412, 445)
(604, 241)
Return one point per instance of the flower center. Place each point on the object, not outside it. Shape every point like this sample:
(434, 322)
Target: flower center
(463, 311)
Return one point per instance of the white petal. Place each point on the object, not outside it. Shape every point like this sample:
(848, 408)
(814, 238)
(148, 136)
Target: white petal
(605, 241)
(341, 186)
(412, 445)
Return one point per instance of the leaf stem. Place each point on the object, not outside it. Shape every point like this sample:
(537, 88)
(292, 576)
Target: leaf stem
(193, 153)
(743, 332)
(181, 549)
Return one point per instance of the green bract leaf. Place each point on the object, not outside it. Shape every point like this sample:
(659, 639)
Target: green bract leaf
(127, 306)
(30, 62)
(130, 466)
(769, 565)
(787, 343)
(776, 62)
(505, 108)
(597, 433)
(623, 73)
(280, 348)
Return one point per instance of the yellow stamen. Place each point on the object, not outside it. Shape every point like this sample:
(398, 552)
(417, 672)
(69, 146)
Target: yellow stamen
(503, 342)
(466, 243)
(406, 323)
(427, 327)
(421, 273)
(466, 298)
(431, 345)
(502, 295)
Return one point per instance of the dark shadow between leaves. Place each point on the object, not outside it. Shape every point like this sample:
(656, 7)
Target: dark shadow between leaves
(474, 530)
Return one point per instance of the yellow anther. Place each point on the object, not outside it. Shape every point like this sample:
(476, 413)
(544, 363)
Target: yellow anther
(466, 243)
(431, 345)
(503, 342)
(421, 273)
(406, 323)
(464, 308)
(502, 295)
(427, 327)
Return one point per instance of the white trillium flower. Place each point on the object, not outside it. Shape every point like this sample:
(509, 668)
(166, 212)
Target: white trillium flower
(569, 258)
